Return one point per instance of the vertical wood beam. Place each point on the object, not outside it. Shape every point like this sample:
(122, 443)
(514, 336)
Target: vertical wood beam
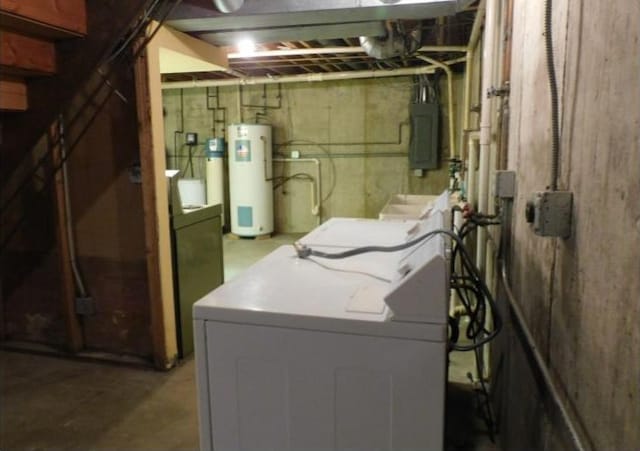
(72, 323)
(156, 207)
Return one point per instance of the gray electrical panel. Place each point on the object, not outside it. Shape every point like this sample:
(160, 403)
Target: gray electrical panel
(425, 126)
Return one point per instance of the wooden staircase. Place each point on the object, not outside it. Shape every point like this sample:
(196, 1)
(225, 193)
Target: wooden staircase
(29, 30)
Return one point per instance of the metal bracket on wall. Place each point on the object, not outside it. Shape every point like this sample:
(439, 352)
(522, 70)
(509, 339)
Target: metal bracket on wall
(503, 91)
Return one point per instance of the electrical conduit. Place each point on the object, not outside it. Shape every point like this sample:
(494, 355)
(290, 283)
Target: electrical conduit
(553, 87)
(82, 291)
(448, 71)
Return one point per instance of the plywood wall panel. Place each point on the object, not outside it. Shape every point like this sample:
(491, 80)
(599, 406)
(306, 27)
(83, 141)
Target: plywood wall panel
(582, 291)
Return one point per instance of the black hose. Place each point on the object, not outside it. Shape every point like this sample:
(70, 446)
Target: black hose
(553, 87)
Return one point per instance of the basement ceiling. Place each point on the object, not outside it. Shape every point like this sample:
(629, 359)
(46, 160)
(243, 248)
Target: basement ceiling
(295, 37)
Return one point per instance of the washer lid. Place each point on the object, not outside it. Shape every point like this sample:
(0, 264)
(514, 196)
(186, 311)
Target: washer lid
(330, 295)
(357, 232)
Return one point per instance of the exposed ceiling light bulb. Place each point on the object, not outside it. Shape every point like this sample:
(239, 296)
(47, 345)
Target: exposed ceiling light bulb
(246, 46)
(228, 6)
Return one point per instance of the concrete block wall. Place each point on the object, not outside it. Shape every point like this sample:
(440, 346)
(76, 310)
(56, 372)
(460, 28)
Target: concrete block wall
(358, 129)
(580, 295)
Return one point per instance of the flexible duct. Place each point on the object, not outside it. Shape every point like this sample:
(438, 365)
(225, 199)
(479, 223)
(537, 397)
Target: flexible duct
(228, 6)
(395, 43)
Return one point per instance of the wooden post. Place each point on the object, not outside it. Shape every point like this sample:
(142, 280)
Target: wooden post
(68, 295)
(156, 211)
(155, 198)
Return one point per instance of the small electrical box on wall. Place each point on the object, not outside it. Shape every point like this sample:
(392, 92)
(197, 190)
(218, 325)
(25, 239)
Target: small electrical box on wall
(549, 213)
(191, 139)
(425, 125)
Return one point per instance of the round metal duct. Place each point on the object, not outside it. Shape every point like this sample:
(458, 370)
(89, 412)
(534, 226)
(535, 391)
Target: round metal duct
(397, 42)
(228, 6)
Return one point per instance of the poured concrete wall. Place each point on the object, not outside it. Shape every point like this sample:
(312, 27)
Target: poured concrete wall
(358, 129)
(579, 295)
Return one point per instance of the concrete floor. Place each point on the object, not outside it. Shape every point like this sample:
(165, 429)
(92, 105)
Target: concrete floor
(54, 403)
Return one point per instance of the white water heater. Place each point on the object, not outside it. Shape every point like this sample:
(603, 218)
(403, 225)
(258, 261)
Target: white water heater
(250, 179)
(214, 153)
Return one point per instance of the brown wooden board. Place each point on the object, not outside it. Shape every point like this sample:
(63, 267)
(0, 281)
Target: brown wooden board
(45, 17)
(13, 94)
(164, 353)
(26, 55)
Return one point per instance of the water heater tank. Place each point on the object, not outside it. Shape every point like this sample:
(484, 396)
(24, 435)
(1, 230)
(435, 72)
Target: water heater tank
(214, 153)
(250, 179)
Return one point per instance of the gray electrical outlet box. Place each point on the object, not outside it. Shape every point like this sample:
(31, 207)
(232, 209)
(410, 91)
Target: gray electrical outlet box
(549, 213)
(505, 187)
(85, 306)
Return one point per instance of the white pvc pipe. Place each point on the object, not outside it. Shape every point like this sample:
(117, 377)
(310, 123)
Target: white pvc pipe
(316, 198)
(468, 74)
(485, 123)
(447, 70)
(472, 174)
(325, 76)
(477, 25)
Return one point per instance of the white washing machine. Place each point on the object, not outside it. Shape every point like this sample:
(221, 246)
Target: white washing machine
(319, 354)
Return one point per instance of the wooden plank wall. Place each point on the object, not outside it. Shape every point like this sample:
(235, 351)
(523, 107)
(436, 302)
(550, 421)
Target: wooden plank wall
(580, 294)
(105, 202)
(109, 227)
(76, 59)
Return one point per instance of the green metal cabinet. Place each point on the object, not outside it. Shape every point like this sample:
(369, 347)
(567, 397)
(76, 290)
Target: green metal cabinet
(197, 265)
